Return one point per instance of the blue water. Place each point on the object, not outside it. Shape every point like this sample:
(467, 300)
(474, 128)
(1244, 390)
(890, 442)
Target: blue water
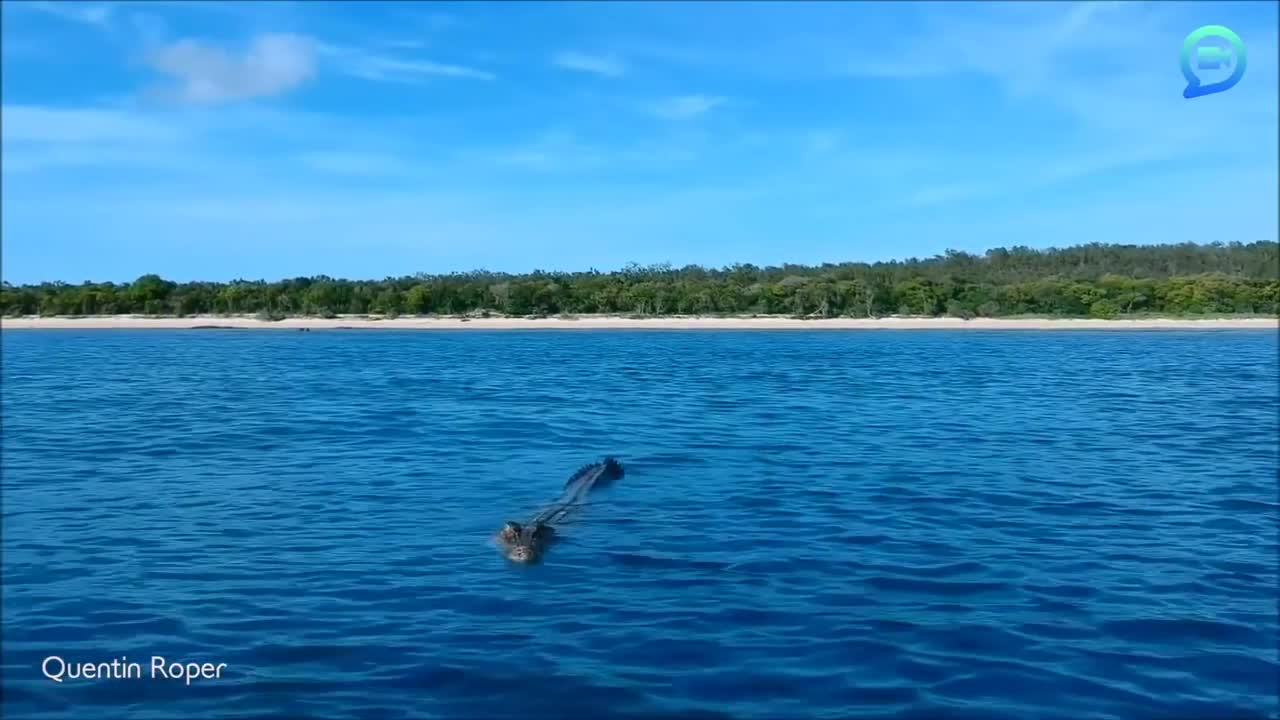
(813, 524)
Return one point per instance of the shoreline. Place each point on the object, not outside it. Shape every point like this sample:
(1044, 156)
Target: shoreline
(245, 322)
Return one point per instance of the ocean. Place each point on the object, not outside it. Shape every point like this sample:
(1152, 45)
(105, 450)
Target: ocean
(816, 524)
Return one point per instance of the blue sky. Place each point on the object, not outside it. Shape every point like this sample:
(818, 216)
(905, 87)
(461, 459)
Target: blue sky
(267, 140)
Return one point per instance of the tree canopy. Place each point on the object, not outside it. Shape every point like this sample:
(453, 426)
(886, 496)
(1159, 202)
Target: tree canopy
(1092, 280)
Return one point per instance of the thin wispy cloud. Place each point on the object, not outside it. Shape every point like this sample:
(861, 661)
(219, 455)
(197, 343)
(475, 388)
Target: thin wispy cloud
(552, 150)
(438, 21)
(559, 150)
(941, 194)
(1028, 175)
(40, 124)
(381, 67)
(946, 47)
(40, 139)
(272, 64)
(150, 30)
(20, 48)
(820, 142)
(404, 44)
(908, 69)
(603, 65)
(132, 136)
(430, 22)
(685, 107)
(85, 13)
(355, 164)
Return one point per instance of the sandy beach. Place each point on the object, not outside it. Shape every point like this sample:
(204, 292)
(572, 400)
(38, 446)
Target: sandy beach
(129, 322)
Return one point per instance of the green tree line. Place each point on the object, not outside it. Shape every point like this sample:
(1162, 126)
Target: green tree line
(1094, 280)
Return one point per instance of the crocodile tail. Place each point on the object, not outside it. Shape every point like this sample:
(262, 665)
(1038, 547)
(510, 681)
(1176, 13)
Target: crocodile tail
(583, 481)
(612, 468)
(579, 474)
(604, 473)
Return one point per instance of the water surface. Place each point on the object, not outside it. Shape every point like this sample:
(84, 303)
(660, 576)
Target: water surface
(813, 524)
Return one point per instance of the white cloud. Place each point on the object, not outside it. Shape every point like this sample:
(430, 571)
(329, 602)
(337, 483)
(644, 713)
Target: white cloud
(385, 68)
(682, 107)
(603, 65)
(273, 64)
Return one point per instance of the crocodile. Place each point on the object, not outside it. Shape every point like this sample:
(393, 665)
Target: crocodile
(527, 542)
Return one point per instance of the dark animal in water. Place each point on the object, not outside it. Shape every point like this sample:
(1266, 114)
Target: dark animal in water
(527, 543)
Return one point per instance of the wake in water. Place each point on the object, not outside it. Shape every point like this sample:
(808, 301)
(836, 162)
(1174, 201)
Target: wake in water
(527, 543)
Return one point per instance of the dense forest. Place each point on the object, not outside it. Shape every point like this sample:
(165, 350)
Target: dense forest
(1084, 281)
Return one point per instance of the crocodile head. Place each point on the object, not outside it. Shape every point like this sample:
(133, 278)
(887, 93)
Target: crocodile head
(526, 544)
